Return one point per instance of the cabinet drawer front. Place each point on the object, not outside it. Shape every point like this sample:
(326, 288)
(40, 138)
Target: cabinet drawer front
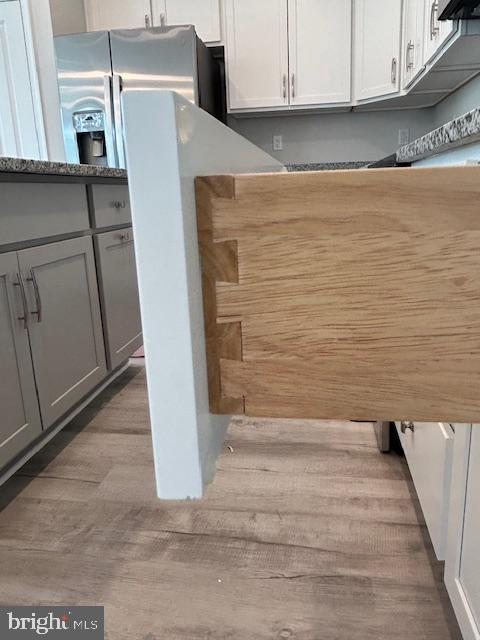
(119, 294)
(428, 450)
(32, 211)
(111, 206)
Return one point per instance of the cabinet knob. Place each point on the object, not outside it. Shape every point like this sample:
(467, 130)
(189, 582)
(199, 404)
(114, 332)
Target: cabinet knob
(407, 425)
(125, 236)
(119, 204)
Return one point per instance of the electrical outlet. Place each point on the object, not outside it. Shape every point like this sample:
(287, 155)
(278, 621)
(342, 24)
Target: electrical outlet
(277, 143)
(403, 136)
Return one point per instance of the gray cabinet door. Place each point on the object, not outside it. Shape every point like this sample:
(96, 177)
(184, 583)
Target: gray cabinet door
(119, 294)
(65, 326)
(20, 419)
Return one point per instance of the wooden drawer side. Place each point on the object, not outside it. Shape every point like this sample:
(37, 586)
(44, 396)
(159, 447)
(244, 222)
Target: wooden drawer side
(219, 265)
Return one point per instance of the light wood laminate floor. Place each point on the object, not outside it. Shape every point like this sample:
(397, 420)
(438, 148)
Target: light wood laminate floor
(307, 532)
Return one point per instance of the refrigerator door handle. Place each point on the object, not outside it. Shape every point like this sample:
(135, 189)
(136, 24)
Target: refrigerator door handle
(109, 130)
(117, 113)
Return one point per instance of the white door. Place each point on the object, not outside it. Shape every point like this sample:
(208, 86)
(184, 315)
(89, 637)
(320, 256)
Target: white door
(18, 132)
(203, 14)
(257, 53)
(413, 40)
(103, 15)
(320, 51)
(437, 32)
(462, 567)
(377, 48)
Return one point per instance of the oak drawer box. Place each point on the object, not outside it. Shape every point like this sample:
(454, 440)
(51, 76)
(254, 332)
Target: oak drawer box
(428, 449)
(32, 211)
(111, 206)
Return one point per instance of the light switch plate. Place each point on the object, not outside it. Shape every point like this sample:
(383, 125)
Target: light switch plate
(277, 143)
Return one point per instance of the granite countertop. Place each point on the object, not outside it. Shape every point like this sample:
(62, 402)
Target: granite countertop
(326, 166)
(458, 132)
(43, 167)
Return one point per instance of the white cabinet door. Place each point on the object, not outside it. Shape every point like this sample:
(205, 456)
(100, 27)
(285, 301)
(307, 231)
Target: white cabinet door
(103, 15)
(377, 47)
(257, 53)
(18, 133)
(413, 40)
(437, 32)
(320, 51)
(203, 14)
(462, 567)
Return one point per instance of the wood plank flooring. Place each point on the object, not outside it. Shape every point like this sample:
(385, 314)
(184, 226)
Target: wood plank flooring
(307, 532)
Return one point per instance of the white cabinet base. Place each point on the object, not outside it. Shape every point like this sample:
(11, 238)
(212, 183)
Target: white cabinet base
(428, 450)
(462, 566)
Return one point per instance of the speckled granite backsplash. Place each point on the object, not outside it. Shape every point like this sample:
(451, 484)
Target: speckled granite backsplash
(460, 131)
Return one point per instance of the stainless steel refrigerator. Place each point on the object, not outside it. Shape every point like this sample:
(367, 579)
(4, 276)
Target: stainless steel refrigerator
(95, 68)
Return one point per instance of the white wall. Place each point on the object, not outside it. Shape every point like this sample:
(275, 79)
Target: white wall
(464, 99)
(334, 137)
(68, 16)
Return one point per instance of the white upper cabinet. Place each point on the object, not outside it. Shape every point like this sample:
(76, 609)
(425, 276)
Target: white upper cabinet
(18, 133)
(103, 15)
(257, 53)
(413, 40)
(437, 32)
(203, 14)
(320, 51)
(377, 47)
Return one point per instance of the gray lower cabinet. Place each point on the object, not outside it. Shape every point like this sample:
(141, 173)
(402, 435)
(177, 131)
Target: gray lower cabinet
(20, 419)
(119, 294)
(65, 326)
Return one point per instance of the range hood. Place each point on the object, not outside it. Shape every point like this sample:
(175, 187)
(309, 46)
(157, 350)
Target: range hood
(458, 9)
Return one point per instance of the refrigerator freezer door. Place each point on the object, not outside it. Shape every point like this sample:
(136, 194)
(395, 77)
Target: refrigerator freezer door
(159, 58)
(84, 79)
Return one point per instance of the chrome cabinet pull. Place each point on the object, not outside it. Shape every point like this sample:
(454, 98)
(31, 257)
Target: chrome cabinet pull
(23, 296)
(162, 20)
(434, 29)
(38, 300)
(119, 204)
(407, 425)
(147, 20)
(293, 85)
(410, 58)
(124, 237)
(284, 85)
(394, 71)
